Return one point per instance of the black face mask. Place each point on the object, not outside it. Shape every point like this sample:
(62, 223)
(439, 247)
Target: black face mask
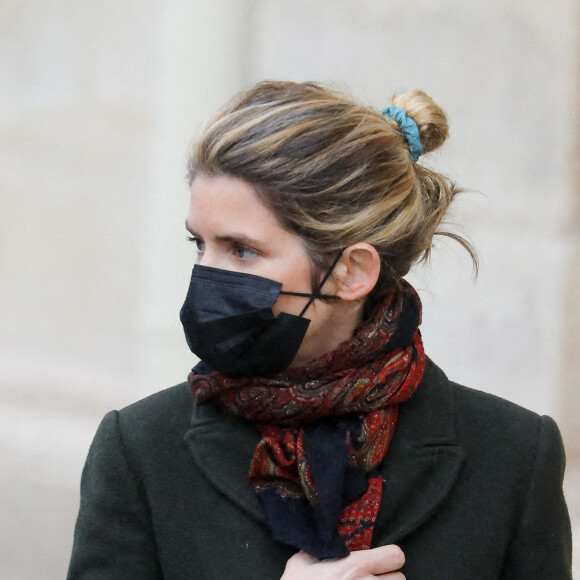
(229, 324)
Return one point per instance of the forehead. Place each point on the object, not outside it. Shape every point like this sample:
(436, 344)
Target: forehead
(227, 206)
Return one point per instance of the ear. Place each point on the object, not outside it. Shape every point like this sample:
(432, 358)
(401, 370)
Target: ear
(357, 271)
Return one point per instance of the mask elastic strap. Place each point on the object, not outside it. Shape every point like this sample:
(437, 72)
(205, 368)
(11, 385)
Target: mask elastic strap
(309, 295)
(316, 294)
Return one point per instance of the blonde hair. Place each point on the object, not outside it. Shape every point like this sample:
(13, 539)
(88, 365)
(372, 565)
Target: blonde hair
(335, 172)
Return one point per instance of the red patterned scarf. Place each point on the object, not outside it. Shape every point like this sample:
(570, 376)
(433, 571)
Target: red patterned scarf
(326, 427)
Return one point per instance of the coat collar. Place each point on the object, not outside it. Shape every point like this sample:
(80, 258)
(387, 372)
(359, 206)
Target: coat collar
(419, 470)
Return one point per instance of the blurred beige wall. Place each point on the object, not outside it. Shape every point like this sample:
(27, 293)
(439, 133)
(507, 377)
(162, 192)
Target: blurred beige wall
(98, 102)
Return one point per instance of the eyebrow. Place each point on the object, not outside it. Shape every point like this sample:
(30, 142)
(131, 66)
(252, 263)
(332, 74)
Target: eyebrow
(240, 239)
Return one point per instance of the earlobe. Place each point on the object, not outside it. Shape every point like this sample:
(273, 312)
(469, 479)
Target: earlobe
(357, 271)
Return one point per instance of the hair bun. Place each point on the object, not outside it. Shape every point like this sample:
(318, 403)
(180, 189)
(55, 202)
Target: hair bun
(429, 116)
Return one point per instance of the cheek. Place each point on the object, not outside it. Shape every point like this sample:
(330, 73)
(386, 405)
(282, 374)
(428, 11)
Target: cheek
(292, 304)
(296, 279)
(317, 312)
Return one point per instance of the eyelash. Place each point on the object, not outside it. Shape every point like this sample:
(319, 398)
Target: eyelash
(195, 240)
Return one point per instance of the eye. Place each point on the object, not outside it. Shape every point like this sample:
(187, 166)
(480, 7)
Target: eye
(244, 253)
(199, 243)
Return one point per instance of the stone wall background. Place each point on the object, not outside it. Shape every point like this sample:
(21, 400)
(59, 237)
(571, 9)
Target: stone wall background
(98, 102)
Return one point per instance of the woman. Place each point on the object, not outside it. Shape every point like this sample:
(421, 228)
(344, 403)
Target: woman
(320, 442)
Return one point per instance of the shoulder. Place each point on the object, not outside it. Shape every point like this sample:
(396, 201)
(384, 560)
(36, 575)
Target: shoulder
(160, 417)
(490, 413)
(160, 404)
(515, 460)
(485, 425)
(482, 403)
(474, 409)
(504, 440)
(492, 419)
(501, 431)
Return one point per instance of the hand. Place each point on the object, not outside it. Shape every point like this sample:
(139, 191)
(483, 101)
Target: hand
(382, 562)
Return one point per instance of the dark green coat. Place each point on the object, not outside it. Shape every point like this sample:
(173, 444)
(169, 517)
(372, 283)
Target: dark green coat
(473, 491)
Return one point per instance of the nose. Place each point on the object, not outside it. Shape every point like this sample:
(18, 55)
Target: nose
(203, 259)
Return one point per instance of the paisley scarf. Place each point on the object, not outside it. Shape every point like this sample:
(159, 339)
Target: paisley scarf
(326, 428)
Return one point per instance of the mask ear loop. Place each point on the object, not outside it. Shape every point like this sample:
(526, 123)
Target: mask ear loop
(316, 294)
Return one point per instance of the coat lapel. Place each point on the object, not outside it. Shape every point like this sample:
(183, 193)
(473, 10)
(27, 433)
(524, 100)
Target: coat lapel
(423, 462)
(222, 447)
(419, 470)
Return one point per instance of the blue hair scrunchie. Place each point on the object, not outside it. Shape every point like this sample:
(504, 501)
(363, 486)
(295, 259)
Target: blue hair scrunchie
(408, 127)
